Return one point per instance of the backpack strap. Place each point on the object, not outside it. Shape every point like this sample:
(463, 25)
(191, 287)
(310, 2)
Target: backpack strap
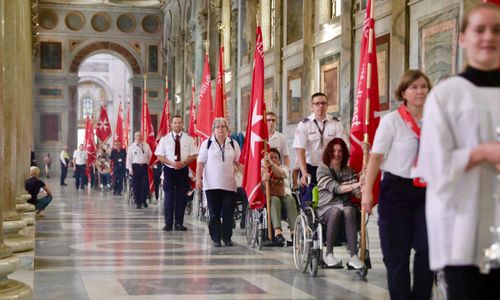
(209, 143)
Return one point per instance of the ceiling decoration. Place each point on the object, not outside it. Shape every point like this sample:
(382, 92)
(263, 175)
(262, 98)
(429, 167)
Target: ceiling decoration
(101, 22)
(48, 19)
(74, 20)
(126, 23)
(129, 3)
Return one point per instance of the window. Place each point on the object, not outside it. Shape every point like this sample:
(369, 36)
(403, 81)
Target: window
(87, 107)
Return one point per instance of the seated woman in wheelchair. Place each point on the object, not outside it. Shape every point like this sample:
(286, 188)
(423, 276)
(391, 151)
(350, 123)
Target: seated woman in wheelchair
(281, 194)
(336, 184)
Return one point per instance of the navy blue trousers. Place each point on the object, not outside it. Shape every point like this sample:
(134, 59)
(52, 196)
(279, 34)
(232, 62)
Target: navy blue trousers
(79, 176)
(118, 179)
(64, 173)
(220, 204)
(140, 183)
(176, 186)
(402, 228)
(305, 193)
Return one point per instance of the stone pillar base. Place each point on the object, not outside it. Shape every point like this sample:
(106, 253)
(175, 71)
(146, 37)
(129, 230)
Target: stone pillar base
(11, 289)
(13, 239)
(27, 210)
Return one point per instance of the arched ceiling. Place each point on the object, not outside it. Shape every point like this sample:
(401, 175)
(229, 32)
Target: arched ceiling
(130, 3)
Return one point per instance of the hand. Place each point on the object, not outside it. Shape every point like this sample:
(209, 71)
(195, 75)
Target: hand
(178, 165)
(367, 201)
(131, 173)
(265, 176)
(303, 180)
(491, 152)
(199, 184)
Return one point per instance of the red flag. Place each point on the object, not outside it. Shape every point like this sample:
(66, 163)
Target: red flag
(205, 107)
(497, 2)
(164, 127)
(127, 128)
(103, 130)
(192, 133)
(256, 133)
(119, 126)
(90, 147)
(220, 88)
(148, 133)
(367, 96)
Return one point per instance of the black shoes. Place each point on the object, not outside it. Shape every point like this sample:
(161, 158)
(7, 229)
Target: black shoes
(179, 227)
(217, 244)
(145, 205)
(279, 239)
(167, 228)
(228, 243)
(138, 206)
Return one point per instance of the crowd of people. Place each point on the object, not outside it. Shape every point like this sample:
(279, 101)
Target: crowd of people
(437, 153)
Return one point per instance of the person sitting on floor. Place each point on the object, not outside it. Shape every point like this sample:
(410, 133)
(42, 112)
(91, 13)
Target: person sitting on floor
(33, 186)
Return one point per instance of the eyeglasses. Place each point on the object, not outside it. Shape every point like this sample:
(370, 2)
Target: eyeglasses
(323, 103)
(220, 126)
(271, 120)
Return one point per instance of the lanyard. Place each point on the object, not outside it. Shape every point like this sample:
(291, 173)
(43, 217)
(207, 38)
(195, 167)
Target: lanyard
(221, 148)
(415, 129)
(320, 132)
(142, 147)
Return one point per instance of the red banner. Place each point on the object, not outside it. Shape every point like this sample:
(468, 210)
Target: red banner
(126, 131)
(367, 96)
(164, 127)
(256, 133)
(205, 117)
(220, 90)
(119, 126)
(192, 133)
(90, 146)
(148, 133)
(103, 130)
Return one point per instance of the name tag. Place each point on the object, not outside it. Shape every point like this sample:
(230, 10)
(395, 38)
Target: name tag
(120, 160)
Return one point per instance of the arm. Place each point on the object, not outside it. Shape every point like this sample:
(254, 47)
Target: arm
(46, 189)
(301, 159)
(374, 163)
(488, 152)
(286, 160)
(199, 171)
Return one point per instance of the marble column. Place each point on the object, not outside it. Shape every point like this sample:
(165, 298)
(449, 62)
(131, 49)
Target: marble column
(399, 41)
(13, 86)
(9, 289)
(347, 85)
(278, 62)
(308, 51)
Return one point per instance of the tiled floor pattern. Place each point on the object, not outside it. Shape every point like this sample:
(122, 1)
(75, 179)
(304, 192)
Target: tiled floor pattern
(93, 245)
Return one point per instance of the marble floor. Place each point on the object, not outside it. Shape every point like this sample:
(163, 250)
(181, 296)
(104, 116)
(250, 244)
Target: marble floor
(93, 245)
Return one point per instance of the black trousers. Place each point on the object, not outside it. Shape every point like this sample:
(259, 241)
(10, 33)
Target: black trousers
(118, 174)
(220, 202)
(176, 186)
(157, 180)
(466, 283)
(64, 173)
(140, 183)
(79, 176)
(402, 228)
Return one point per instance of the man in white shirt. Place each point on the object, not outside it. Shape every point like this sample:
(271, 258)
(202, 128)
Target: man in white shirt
(176, 150)
(64, 158)
(312, 135)
(277, 139)
(79, 163)
(138, 157)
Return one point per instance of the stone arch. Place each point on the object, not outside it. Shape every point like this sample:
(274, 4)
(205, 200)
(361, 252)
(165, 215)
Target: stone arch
(90, 49)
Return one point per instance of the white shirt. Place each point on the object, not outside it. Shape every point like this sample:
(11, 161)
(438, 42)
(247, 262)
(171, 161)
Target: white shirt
(395, 140)
(308, 137)
(278, 141)
(458, 116)
(219, 174)
(64, 155)
(166, 147)
(138, 154)
(80, 157)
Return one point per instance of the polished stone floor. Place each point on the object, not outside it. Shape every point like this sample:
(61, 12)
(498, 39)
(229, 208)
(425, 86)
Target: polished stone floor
(93, 245)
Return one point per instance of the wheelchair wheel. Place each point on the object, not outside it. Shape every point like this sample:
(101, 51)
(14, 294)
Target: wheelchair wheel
(301, 244)
(313, 266)
(251, 228)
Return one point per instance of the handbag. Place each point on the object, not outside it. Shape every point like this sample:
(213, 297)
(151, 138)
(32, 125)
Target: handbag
(276, 187)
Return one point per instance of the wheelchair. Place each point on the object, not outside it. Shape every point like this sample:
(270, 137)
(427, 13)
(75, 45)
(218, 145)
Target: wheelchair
(310, 236)
(129, 194)
(255, 227)
(200, 206)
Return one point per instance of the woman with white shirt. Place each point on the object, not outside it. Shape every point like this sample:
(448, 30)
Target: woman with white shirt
(460, 159)
(401, 206)
(217, 159)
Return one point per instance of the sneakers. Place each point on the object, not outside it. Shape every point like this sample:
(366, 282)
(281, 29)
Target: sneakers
(331, 261)
(355, 263)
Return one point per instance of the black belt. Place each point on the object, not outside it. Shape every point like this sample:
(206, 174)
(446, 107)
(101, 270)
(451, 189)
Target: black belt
(397, 178)
(139, 164)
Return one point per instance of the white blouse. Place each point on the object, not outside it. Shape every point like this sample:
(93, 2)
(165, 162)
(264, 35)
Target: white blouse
(397, 143)
(459, 208)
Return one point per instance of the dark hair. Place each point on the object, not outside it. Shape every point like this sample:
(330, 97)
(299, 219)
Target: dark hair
(318, 94)
(406, 80)
(328, 152)
(270, 113)
(470, 12)
(176, 116)
(275, 150)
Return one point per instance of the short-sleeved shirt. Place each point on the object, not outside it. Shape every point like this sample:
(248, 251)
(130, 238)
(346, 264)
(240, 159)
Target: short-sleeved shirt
(219, 173)
(138, 154)
(33, 186)
(166, 147)
(80, 157)
(118, 157)
(278, 141)
(308, 137)
(397, 143)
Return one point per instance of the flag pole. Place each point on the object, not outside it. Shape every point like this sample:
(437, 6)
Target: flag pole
(366, 143)
(145, 92)
(222, 28)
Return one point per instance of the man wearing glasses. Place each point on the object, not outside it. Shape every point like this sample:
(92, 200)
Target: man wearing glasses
(138, 157)
(277, 139)
(312, 135)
